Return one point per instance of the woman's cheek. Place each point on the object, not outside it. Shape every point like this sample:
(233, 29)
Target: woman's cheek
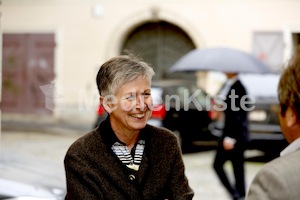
(127, 105)
(149, 103)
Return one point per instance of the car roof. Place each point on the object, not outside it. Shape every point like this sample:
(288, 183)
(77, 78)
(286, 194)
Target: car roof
(261, 85)
(172, 82)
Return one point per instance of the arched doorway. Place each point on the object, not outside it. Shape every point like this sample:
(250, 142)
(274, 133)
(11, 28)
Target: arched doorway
(160, 44)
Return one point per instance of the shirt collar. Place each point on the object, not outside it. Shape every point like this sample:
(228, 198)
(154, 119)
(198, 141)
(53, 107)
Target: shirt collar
(291, 147)
(231, 81)
(227, 85)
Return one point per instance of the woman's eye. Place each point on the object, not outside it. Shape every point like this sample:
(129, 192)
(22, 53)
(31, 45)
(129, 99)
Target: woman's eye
(147, 94)
(129, 97)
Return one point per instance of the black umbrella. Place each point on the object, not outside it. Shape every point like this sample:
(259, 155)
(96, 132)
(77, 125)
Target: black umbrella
(220, 59)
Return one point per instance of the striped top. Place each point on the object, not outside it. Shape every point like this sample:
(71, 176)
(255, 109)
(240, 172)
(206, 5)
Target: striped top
(123, 153)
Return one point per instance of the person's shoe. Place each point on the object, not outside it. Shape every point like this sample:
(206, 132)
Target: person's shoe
(236, 196)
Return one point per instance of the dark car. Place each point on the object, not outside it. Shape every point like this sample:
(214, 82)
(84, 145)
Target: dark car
(182, 107)
(264, 129)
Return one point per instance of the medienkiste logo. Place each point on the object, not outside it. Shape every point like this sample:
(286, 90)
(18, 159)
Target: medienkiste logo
(52, 93)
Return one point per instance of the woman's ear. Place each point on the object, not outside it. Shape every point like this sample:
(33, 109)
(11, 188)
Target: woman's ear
(108, 104)
(104, 104)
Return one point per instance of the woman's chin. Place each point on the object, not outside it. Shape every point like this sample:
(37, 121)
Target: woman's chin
(138, 124)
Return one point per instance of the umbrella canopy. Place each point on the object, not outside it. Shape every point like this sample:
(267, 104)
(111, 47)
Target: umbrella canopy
(220, 59)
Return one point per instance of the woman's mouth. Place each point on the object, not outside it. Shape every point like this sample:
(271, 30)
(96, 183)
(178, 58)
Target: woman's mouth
(138, 116)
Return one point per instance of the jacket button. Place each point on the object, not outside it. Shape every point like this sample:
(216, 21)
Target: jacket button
(131, 177)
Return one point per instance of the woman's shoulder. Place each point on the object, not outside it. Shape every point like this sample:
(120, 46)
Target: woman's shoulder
(160, 130)
(84, 141)
(161, 133)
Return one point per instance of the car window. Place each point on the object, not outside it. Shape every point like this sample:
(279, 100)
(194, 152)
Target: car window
(178, 94)
(261, 85)
(174, 95)
(185, 94)
(181, 92)
(202, 97)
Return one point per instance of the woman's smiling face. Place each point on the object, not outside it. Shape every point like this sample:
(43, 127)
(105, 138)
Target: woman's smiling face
(133, 106)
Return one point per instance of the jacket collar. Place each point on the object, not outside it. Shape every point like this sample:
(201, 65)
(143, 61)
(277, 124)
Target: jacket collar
(109, 136)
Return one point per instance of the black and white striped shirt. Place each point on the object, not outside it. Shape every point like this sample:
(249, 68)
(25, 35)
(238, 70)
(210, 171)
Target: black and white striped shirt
(123, 153)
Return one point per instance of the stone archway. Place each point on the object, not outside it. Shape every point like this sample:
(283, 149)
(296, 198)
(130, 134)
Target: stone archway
(160, 44)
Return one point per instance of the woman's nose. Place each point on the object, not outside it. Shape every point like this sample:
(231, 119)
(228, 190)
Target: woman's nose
(140, 102)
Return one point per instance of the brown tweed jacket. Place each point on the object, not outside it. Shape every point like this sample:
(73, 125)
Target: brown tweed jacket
(94, 172)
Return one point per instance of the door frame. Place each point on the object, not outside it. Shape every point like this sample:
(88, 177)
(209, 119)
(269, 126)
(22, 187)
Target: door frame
(288, 32)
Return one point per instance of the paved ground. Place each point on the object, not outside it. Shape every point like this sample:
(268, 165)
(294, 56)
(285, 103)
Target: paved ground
(203, 179)
(36, 157)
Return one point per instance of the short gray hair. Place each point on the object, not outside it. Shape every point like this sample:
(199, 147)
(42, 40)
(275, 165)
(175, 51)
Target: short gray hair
(119, 70)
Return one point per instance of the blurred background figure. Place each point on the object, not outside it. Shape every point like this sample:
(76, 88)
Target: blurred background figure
(279, 179)
(233, 141)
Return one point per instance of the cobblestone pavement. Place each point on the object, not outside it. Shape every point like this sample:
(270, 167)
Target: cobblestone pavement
(203, 179)
(37, 158)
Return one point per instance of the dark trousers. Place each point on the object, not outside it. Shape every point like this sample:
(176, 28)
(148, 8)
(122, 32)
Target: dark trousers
(236, 156)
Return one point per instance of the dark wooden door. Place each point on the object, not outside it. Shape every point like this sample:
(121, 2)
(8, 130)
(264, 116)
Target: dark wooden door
(27, 64)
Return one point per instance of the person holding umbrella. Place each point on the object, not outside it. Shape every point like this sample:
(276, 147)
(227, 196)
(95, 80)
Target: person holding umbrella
(232, 143)
(234, 137)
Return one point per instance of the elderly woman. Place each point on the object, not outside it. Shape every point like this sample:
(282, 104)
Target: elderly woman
(124, 158)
